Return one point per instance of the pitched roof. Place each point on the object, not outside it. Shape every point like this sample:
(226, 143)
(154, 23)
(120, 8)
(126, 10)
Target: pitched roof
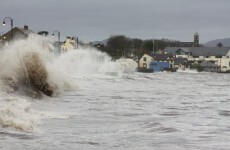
(200, 51)
(185, 49)
(178, 61)
(27, 32)
(160, 57)
(17, 33)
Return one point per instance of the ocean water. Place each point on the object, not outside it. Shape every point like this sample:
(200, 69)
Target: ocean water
(105, 105)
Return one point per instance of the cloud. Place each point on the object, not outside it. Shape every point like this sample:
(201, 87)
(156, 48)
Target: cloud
(98, 19)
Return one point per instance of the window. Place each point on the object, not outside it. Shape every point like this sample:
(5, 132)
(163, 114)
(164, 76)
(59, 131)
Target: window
(218, 56)
(180, 52)
(187, 53)
(229, 64)
(145, 59)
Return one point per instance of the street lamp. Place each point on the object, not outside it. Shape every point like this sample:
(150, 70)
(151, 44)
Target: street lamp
(76, 39)
(11, 21)
(59, 36)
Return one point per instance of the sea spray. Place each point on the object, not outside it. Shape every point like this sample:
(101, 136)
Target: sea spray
(16, 110)
(27, 62)
(16, 113)
(89, 61)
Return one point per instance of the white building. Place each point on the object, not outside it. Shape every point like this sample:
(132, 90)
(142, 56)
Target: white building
(219, 56)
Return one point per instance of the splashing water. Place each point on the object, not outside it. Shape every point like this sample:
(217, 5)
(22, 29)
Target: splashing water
(17, 114)
(29, 68)
(32, 60)
(90, 61)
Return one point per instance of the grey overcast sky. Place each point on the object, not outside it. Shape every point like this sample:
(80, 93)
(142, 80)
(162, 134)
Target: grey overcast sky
(92, 20)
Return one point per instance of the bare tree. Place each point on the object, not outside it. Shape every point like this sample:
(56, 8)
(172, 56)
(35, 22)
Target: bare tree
(43, 33)
(219, 45)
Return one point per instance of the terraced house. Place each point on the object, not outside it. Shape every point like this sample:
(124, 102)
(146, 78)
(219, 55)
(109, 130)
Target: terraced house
(215, 56)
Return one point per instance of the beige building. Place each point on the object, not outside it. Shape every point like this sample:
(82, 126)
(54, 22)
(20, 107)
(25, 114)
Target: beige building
(144, 61)
(69, 44)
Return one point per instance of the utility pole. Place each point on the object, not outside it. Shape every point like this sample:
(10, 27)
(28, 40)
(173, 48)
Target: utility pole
(153, 46)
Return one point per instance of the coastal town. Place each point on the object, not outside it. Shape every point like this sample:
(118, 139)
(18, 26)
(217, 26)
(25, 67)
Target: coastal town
(114, 75)
(190, 55)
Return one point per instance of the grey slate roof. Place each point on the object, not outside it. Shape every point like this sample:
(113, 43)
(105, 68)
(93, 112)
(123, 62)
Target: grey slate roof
(200, 51)
(27, 32)
(178, 61)
(160, 57)
(17, 33)
(185, 49)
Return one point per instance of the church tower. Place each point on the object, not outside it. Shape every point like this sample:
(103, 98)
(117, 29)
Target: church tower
(196, 40)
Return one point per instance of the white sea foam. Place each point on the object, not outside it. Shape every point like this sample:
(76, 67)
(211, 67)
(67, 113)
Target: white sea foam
(92, 62)
(16, 111)
(12, 63)
(187, 70)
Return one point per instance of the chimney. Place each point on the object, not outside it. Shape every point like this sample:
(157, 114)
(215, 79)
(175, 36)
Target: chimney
(26, 27)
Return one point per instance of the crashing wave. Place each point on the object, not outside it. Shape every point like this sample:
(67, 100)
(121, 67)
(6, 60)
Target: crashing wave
(30, 67)
(127, 65)
(16, 114)
(89, 61)
(36, 73)
(26, 67)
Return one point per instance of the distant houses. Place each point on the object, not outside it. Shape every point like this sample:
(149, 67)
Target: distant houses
(212, 59)
(179, 63)
(17, 33)
(154, 62)
(23, 33)
(219, 56)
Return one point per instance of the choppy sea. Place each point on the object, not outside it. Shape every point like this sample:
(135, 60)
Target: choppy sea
(113, 108)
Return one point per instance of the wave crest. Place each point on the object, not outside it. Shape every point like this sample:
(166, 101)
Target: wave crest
(24, 68)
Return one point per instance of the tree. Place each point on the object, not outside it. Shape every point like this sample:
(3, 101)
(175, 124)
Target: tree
(148, 46)
(136, 46)
(118, 45)
(100, 47)
(219, 45)
(43, 33)
(136, 43)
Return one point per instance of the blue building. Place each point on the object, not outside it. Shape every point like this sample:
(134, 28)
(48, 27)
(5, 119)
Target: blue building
(159, 66)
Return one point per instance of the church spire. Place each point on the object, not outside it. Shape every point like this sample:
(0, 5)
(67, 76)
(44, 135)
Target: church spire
(196, 40)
